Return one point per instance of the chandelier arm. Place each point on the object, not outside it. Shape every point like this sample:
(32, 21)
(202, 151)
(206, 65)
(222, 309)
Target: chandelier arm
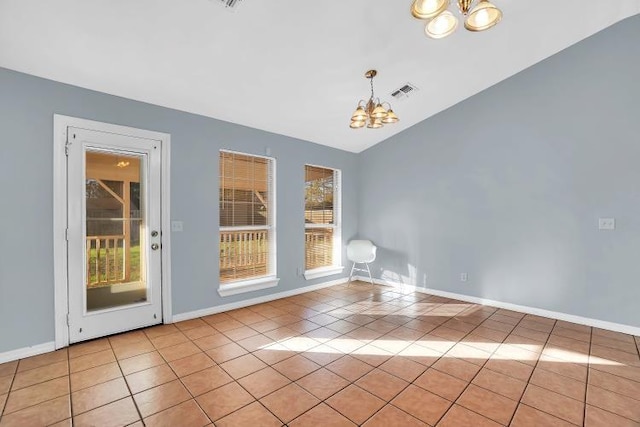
(371, 88)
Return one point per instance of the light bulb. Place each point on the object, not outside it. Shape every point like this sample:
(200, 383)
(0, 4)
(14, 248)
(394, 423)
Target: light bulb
(428, 5)
(427, 9)
(482, 17)
(442, 25)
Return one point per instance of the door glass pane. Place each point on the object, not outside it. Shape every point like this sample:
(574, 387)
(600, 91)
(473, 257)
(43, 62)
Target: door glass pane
(115, 255)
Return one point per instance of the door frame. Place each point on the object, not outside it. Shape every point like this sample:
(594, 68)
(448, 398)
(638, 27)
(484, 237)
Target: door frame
(60, 204)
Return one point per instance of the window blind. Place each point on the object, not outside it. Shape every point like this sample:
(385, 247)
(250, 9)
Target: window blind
(320, 216)
(245, 216)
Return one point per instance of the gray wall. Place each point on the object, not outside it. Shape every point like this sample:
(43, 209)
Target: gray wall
(508, 186)
(27, 106)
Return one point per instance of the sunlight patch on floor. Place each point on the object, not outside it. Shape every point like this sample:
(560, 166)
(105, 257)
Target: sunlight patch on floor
(429, 348)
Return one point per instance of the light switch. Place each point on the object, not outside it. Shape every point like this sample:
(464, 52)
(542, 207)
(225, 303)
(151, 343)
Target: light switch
(606, 223)
(176, 225)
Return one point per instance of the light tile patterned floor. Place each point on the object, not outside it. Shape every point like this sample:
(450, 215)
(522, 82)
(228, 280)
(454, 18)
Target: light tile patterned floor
(341, 356)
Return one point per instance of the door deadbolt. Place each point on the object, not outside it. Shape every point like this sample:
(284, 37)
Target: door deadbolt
(155, 246)
(154, 233)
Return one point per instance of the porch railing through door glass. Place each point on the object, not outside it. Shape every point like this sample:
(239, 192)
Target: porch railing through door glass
(108, 261)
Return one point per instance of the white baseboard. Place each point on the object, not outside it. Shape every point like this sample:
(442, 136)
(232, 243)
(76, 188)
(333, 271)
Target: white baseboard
(602, 324)
(21, 353)
(245, 303)
(35, 350)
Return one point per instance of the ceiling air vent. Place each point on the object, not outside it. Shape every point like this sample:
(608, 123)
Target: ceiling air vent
(405, 91)
(230, 5)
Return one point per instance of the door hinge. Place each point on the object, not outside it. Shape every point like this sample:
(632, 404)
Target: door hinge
(68, 143)
(66, 234)
(68, 322)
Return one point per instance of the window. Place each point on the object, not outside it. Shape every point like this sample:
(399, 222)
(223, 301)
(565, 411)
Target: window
(247, 232)
(322, 222)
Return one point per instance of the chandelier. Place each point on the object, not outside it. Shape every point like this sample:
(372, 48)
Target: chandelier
(441, 22)
(372, 113)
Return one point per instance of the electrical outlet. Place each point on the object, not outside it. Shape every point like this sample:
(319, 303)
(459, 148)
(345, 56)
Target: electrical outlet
(176, 226)
(606, 223)
(299, 271)
(464, 277)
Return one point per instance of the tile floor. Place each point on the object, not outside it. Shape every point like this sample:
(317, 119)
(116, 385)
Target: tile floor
(341, 356)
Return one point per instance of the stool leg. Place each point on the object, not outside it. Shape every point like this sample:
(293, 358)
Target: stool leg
(351, 274)
(369, 271)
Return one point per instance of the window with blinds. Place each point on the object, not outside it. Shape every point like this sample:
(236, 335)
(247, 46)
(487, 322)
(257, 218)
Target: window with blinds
(246, 217)
(322, 217)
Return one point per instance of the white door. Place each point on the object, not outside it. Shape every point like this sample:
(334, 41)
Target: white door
(114, 235)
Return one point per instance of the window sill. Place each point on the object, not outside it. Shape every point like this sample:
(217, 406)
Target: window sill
(247, 286)
(322, 272)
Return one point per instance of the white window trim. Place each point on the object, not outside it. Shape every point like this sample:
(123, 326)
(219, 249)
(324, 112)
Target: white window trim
(337, 266)
(322, 272)
(270, 280)
(242, 286)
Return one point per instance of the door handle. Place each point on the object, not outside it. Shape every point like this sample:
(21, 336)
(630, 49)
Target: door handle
(155, 246)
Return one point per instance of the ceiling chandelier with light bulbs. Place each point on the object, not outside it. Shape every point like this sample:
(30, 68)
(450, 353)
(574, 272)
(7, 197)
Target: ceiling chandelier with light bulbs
(441, 22)
(372, 113)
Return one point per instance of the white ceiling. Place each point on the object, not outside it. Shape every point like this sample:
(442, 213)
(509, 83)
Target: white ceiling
(287, 66)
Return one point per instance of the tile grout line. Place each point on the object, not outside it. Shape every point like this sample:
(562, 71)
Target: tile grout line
(487, 361)
(430, 367)
(481, 367)
(234, 380)
(440, 358)
(178, 377)
(555, 322)
(124, 378)
(4, 405)
(100, 383)
(291, 382)
(69, 382)
(215, 364)
(360, 377)
(414, 380)
(613, 373)
(271, 366)
(586, 385)
(324, 401)
(32, 385)
(610, 391)
(321, 401)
